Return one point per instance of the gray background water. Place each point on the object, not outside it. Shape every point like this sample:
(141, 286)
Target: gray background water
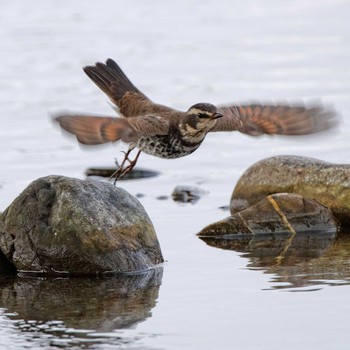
(178, 53)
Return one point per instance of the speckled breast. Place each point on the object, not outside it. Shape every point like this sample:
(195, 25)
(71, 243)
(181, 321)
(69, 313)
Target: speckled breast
(166, 146)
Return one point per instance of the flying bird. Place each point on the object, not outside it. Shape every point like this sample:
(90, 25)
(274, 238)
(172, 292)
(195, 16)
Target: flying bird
(164, 132)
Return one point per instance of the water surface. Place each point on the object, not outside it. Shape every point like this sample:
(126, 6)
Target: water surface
(224, 295)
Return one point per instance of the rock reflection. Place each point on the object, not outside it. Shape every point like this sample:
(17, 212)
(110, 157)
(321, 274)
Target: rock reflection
(102, 305)
(135, 174)
(303, 260)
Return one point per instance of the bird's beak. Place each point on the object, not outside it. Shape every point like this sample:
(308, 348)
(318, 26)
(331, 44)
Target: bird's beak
(217, 115)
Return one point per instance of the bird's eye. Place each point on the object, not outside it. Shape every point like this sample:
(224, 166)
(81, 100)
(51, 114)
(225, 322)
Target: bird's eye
(202, 115)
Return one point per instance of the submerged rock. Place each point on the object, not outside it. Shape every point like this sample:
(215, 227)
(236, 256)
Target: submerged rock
(325, 182)
(278, 213)
(60, 224)
(187, 194)
(134, 174)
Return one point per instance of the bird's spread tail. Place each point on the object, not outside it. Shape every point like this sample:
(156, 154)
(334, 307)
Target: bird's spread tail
(111, 80)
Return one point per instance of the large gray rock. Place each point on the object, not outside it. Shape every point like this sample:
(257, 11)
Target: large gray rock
(324, 182)
(60, 224)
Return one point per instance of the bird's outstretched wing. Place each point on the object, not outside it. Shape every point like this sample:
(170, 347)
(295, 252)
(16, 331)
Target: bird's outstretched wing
(91, 130)
(276, 119)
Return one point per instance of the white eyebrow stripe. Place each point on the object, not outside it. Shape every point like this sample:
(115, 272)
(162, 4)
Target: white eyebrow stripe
(198, 111)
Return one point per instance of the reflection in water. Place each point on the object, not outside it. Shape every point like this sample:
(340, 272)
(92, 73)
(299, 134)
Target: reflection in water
(135, 174)
(65, 307)
(304, 260)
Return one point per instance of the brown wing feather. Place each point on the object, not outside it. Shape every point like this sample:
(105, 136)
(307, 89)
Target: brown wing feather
(150, 125)
(275, 119)
(91, 130)
(97, 130)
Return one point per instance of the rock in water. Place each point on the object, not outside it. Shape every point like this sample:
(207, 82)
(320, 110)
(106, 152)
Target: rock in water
(60, 224)
(187, 194)
(324, 182)
(275, 214)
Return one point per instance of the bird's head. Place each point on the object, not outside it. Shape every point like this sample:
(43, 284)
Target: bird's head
(200, 118)
(204, 112)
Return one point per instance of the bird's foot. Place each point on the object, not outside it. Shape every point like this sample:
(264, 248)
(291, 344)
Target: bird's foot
(122, 171)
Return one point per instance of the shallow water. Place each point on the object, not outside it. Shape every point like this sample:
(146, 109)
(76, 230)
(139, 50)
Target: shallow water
(179, 53)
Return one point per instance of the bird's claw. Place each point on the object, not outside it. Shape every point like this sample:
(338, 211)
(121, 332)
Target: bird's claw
(121, 171)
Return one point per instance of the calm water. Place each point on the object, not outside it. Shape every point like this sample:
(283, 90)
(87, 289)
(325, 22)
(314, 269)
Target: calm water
(224, 295)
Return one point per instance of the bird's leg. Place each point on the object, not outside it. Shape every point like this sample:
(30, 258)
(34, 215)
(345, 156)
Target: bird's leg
(116, 162)
(131, 165)
(121, 171)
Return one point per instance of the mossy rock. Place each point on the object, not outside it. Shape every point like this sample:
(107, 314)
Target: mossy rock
(65, 225)
(327, 183)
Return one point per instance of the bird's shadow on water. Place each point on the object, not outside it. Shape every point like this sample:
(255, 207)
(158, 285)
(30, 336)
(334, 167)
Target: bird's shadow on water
(305, 262)
(64, 307)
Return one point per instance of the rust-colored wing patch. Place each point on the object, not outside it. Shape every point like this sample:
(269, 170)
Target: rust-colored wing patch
(275, 119)
(91, 130)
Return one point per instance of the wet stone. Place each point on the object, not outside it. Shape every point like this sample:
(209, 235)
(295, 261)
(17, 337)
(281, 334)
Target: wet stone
(65, 225)
(324, 182)
(275, 214)
(187, 194)
(225, 207)
(136, 173)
